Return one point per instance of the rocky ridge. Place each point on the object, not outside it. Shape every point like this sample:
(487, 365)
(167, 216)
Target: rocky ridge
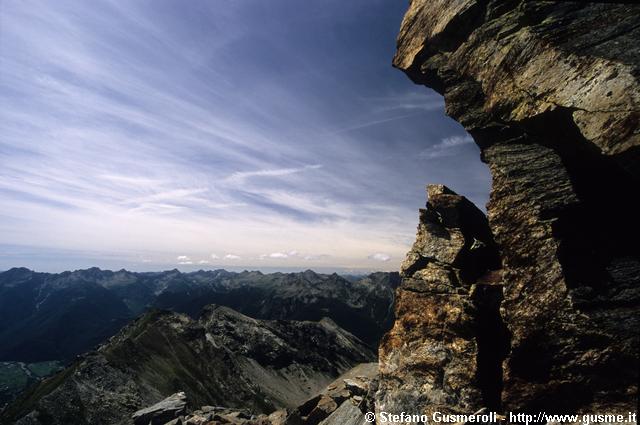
(550, 93)
(224, 358)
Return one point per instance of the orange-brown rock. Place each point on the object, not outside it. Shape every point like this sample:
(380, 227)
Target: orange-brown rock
(550, 92)
(435, 357)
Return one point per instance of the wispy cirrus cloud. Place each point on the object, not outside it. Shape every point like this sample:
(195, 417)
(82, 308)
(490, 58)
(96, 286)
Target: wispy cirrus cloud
(446, 147)
(375, 122)
(169, 129)
(240, 177)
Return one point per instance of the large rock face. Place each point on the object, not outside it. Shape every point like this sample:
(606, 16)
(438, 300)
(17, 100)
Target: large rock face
(448, 342)
(550, 93)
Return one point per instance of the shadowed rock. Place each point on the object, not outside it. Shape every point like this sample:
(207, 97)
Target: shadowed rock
(448, 340)
(550, 93)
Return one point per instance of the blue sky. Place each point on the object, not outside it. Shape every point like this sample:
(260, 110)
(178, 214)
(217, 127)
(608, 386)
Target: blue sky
(154, 134)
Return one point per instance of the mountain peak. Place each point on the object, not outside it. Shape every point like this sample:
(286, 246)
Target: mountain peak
(19, 270)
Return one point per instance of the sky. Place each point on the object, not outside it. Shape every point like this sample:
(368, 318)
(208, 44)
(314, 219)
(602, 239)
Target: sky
(156, 134)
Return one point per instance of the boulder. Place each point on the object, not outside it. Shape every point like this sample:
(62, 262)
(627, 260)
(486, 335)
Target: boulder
(162, 412)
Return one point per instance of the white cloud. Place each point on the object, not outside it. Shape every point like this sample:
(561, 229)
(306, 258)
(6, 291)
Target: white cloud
(132, 181)
(242, 176)
(292, 256)
(312, 257)
(203, 262)
(182, 258)
(156, 157)
(169, 196)
(232, 257)
(445, 147)
(185, 262)
(379, 256)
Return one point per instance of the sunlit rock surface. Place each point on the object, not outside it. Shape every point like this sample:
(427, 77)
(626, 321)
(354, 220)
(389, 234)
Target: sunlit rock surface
(446, 347)
(550, 93)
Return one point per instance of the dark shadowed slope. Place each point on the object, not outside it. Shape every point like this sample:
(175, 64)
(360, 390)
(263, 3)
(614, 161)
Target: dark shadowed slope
(223, 358)
(47, 316)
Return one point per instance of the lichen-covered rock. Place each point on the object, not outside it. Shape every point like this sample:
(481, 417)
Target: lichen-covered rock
(435, 357)
(453, 237)
(550, 93)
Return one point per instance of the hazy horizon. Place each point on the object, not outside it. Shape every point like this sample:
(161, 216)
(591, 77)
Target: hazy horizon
(161, 135)
(236, 269)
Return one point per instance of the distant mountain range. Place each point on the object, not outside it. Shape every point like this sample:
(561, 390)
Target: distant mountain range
(45, 316)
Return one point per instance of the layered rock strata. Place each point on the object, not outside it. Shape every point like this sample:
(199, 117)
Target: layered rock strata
(550, 93)
(448, 342)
